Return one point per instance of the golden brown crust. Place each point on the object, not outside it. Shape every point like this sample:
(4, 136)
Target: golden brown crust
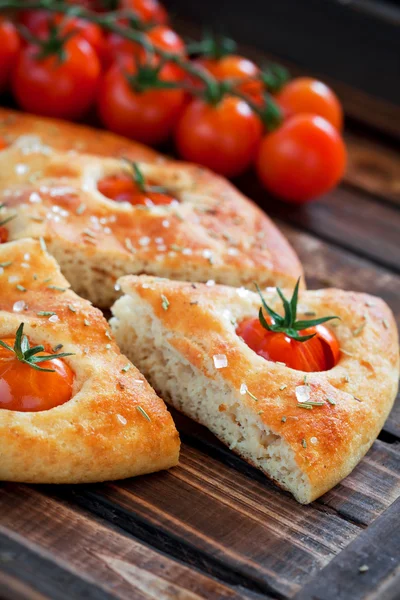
(100, 433)
(327, 441)
(212, 233)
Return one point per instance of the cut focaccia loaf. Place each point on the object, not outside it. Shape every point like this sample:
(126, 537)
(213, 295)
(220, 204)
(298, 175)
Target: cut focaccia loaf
(114, 426)
(183, 337)
(49, 176)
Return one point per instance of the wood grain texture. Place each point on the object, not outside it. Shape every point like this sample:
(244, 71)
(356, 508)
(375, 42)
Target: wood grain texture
(216, 504)
(49, 545)
(376, 552)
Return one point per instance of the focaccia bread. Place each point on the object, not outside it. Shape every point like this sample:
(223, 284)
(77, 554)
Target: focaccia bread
(183, 338)
(49, 174)
(114, 426)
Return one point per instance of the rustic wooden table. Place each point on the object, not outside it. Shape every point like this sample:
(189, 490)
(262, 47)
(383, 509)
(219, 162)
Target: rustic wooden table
(214, 527)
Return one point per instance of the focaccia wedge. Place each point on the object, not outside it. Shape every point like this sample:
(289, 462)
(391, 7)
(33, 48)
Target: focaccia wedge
(114, 426)
(49, 176)
(183, 338)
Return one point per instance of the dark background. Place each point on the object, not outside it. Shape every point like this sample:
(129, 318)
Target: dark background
(354, 41)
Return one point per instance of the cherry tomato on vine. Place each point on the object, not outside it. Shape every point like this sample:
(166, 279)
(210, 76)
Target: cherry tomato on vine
(224, 137)
(147, 116)
(301, 160)
(3, 235)
(23, 388)
(160, 36)
(9, 48)
(235, 67)
(306, 95)
(122, 188)
(150, 11)
(64, 89)
(90, 32)
(319, 353)
(33, 19)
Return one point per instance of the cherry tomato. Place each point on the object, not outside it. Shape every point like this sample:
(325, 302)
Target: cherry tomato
(319, 353)
(224, 137)
(306, 95)
(150, 11)
(235, 67)
(160, 36)
(33, 19)
(122, 188)
(3, 143)
(24, 389)
(57, 89)
(303, 159)
(3, 235)
(90, 32)
(9, 48)
(147, 116)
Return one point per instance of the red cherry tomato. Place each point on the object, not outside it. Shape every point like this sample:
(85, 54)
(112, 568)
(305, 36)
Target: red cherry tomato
(224, 137)
(9, 48)
(235, 67)
(319, 353)
(3, 143)
(150, 11)
(122, 188)
(147, 116)
(90, 32)
(3, 235)
(57, 89)
(33, 19)
(24, 389)
(306, 95)
(303, 159)
(160, 36)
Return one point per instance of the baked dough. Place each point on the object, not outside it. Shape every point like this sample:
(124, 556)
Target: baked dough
(182, 336)
(101, 433)
(48, 179)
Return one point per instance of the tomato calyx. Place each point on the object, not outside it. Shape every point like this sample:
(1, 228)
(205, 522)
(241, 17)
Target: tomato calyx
(288, 324)
(215, 47)
(53, 44)
(274, 77)
(147, 77)
(27, 355)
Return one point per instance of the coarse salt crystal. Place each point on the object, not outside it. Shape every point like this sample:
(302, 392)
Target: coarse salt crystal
(21, 169)
(233, 251)
(13, 279)
(187, 251)
(117, 287)
(25, 265)
(35, 198)
(122, 419)
(210, 282)
(207, 253)
(165, 223)
(243, 389)
(302, 393)
(27, 256)
(220, 361)
(144, 241)
(1, 270)
(242, 292)
(159, 240)
(314, 440)
(19, 306)
(54, 319)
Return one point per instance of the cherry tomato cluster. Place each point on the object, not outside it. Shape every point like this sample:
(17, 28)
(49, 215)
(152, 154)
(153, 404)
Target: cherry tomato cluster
(222, 110)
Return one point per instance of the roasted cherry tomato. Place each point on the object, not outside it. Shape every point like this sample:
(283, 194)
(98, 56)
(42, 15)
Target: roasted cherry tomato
(23, 388)
(319, 353)
(3, 235)
(147, 116)
(3, 143)
(303, 159)
(160, 36)
(224, 137)
(122, 188)
(64, 89)
(235, 67)
(306, 95)
(9, 48)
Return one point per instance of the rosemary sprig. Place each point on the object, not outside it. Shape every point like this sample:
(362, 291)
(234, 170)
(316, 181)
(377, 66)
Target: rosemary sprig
(29, 356)
(140, 181)
(288, 324)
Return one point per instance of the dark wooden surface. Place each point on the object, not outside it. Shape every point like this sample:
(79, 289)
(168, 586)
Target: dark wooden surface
(214, 527)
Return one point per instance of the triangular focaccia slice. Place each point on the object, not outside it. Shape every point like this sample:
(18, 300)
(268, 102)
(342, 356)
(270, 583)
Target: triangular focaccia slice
(114, 426)
(183, 337)
(211, 231)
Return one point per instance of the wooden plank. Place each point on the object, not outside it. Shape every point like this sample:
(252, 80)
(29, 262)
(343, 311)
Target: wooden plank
(373, 167)
(328, 266)
(215, 503)
(345, 217)
(376, 552)
(49, 550)
(370, 110)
